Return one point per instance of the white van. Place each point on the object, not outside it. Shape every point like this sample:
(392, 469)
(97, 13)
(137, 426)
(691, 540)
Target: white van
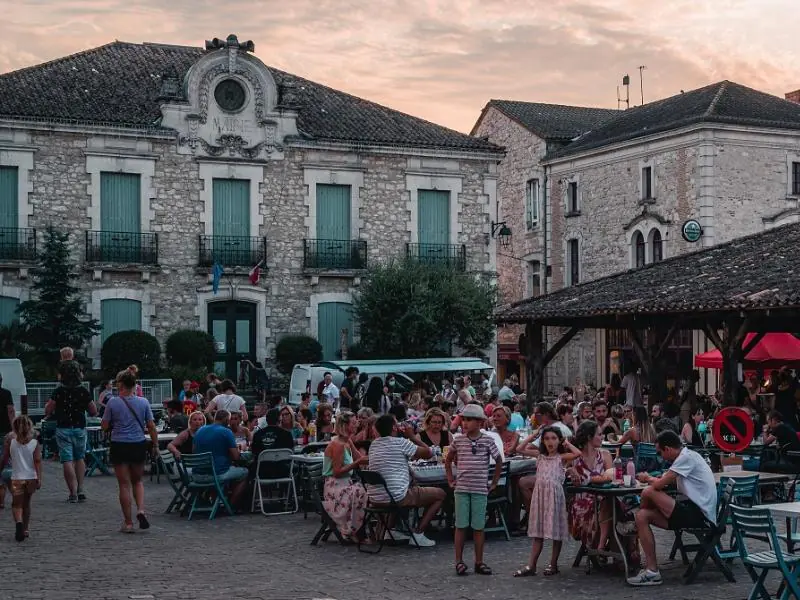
(14, 381)
(307, 377)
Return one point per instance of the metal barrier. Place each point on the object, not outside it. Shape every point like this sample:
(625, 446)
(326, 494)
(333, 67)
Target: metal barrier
(157, 391)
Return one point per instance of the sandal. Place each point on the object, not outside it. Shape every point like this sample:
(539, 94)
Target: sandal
(143, 522)
(551, 570)
(127, 528)
(461, 568)
(482, 569)
(526, 571)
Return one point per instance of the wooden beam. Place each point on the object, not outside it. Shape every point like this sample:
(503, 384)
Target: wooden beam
(741, 332)
(752, 344)
(638, 348)
(559, 345)
(535, 365)
(667, 339)
(713, 335)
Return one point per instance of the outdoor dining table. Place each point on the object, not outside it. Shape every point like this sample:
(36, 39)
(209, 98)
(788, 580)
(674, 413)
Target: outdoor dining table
(434, 474)
(788, 510)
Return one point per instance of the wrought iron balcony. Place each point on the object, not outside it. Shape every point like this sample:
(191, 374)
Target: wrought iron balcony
(122, 247)
(453, 256)
(232, 250)
(334, 254)
(17, 243)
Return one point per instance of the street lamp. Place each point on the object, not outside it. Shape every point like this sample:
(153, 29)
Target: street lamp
(502, 233)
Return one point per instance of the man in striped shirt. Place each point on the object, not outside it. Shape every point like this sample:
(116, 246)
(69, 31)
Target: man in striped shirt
(389, 456)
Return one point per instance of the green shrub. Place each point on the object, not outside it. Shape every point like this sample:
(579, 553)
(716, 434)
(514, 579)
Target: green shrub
(180, 373)
(190, 347)
(296, 349)
(126, 348)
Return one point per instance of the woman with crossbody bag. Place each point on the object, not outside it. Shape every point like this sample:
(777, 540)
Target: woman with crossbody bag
(129, 419)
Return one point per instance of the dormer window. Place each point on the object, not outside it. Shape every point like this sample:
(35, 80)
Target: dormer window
(230, 95)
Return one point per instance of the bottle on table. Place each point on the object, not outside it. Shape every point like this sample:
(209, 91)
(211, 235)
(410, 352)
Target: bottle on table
(618, 469)
(312, 433)
(631, 470)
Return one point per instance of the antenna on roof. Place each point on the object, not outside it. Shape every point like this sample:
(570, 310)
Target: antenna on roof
(626, 83)
(641, 81)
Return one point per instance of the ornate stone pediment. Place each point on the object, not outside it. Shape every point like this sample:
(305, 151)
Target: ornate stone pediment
(232, 107)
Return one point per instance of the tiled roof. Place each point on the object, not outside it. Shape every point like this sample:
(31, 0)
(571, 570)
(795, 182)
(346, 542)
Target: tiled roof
(119, 84)
(755, 272)
(723, 102)
(554, 122)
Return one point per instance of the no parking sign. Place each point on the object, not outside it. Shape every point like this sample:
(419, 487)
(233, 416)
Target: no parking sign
(733, 429)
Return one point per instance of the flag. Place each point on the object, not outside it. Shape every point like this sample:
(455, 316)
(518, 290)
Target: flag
(255, 273)
(216, 275)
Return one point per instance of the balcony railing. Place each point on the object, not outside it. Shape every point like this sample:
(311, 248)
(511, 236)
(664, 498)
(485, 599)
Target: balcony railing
(232, 250)
(334, 254)
(17, 243)
(122, 247)
(453, 256)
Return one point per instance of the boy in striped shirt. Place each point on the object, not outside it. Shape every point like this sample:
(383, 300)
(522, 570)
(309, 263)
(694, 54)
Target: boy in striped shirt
(471, 453)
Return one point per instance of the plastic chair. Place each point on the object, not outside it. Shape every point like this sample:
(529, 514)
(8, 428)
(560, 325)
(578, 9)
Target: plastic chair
(177, 478)
(378, 516)
(757, 523)
(499, 501)
(708, 538)
(204, 485)
(279, 465)
(97, 451)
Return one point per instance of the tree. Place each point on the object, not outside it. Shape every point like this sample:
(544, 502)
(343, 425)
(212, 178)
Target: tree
(415, 310)
(55, 316)
(190, 348)
(296, 350)
(125, 348)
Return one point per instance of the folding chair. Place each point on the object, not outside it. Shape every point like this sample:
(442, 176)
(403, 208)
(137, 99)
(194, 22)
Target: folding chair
(744, 493)
(177, 478)
(49, 446)
(708, 538)
(499, 501)
(204, 485)
(646, 457)
(328, 525)
(311, 481)
(275, 468)
(757, 522)
(97, 451)
(378, 516)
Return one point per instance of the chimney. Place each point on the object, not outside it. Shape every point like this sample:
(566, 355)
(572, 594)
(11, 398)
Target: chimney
(793, 96)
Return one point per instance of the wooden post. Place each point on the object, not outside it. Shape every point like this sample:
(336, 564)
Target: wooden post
(534, 360)
(733, 333)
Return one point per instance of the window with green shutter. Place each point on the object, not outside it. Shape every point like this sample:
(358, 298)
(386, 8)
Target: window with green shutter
(8, 310)
(120, 217)
(119, 314)
(9, 197)
(333, 317)
(433, 225)
(231, 221)
(333, 226)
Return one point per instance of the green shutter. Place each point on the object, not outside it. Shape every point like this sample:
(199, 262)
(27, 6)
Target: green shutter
(333, 226)
(120, 213)
(9, 197)
(119, 314)
(433, 217)
(231, 215)
(8, 310)
(332, 318)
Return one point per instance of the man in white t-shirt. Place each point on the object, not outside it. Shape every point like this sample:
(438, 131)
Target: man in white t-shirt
(330, 392)
(632, 384)
(695, 506)
(227, 400)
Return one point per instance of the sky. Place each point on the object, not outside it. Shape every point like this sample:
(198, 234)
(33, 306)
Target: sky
(442, 60)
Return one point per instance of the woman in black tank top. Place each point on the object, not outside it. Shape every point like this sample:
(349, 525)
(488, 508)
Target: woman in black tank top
(435, 431)
(185, 440)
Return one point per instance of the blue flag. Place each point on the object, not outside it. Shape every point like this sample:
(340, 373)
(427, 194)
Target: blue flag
(216, 275)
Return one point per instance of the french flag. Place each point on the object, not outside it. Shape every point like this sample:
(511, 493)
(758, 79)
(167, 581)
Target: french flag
(255, 273)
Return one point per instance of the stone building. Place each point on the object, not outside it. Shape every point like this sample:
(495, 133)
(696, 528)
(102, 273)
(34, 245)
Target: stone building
(163, 161)
(725, 157)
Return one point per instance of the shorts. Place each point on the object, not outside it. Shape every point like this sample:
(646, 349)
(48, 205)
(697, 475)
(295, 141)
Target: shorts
(232, 474)
(686, 515)
(71, 443)
(422, 496)
(471, 510)
(129, 453)
(21, 487)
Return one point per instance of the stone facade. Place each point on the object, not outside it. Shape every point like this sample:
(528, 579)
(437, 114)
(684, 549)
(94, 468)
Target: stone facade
(60, 188)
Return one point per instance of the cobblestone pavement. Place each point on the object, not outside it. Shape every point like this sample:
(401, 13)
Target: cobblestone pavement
(75, 552)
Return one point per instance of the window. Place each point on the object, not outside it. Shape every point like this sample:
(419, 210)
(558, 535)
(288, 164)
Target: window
(572, 197)
(8, 310)
(573, 262)
(9, 179)
(658, 247)
(119, 314)
(647, 183)
(532, 203)
(638, 250)
(796, 178)
(534, 279)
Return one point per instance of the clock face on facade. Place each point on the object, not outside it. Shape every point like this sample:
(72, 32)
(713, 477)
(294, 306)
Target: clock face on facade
(230, 95)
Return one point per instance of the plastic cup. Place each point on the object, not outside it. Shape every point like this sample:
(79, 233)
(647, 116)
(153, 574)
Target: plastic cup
(627, 480)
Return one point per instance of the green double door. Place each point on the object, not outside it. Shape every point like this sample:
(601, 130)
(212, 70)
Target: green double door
(233, 326)
(333, 318)
(433, 219)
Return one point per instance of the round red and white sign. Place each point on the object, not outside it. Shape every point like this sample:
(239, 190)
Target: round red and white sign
(733, 429)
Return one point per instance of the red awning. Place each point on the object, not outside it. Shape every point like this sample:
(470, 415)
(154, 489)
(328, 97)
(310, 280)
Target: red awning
(775, 350)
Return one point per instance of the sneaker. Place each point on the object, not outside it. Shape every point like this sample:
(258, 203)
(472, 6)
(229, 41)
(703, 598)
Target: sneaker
(646, 577)
(72, 499)
(398, 536)
(81, 496)
(422, 541)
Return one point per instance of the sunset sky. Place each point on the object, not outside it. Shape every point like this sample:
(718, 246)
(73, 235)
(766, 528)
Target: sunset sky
(443, 59)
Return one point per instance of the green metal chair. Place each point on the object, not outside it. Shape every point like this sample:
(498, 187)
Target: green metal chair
(177, 478)
(97, 452)
(646, 457)
(204, 487)
(49, 446)
(744, 492)
(757, 523)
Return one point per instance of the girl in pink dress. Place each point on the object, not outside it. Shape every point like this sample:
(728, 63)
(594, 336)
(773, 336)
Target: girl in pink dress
(548, 512)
